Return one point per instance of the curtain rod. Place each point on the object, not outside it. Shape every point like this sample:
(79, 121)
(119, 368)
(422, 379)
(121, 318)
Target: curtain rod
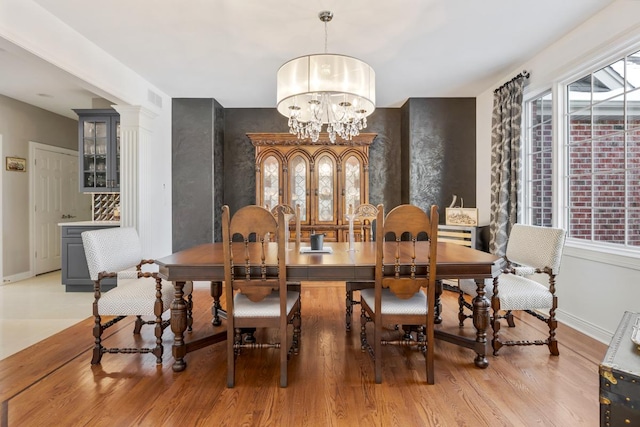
(524, 74)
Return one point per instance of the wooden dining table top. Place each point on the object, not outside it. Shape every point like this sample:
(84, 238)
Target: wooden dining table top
(206, 262)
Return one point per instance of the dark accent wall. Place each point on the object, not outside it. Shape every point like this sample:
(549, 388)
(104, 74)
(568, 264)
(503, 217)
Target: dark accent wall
(213, 159)
(239, 170)
(197, 177)
(439, 156)
(385, 157)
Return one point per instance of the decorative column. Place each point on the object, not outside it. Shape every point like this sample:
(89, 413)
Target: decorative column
(135, 163)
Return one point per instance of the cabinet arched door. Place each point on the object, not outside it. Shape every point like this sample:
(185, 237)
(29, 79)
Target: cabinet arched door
(299, 185)
(355, 186)
(323, 178)
(270, 180)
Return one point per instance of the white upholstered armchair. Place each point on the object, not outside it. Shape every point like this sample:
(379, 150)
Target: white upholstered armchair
(116, 252)
(531, 251)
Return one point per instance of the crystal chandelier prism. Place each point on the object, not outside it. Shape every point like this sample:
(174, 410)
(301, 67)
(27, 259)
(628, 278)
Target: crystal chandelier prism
(326, 89)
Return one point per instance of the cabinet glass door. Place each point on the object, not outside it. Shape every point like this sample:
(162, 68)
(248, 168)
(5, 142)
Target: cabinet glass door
(271, 182)
(326, 191)
(299, 184)
(352, 183)
(95, 140)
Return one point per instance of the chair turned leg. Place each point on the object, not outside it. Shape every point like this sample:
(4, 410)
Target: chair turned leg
(249, 335)
(237, 340)
(510, 321)
(349, 306)
(158, 349)
(216, 292)
(190, 312)
(297, 322)
(97, 348)
(363, 331)
(138, 325)
(438, 302)
(495, 324)
(461, 315)
(553, 324)
(158, 309)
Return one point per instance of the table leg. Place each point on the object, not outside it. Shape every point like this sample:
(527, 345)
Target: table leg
(216, 292)
(481, 322)
(438, 303)
(178, 326)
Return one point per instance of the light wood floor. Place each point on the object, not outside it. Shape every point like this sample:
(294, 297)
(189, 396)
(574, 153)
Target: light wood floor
(330, 382)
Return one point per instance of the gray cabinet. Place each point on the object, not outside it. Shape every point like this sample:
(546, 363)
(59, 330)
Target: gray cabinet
(75, 272)
(99, 148)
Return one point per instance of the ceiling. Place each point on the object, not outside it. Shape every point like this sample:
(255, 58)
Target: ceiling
(230, 50)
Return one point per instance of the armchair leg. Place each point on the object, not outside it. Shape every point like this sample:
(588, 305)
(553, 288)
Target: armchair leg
(553, 324)
(138, 325)
(158, 349)
(158, 309)
(97, 348)
(495, 325)
(509, 317)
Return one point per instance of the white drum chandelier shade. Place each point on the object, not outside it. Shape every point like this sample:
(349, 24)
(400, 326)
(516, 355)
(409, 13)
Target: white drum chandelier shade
(335, 90)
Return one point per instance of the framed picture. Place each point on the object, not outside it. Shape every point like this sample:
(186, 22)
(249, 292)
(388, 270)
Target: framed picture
(461, 216)
(16, 164)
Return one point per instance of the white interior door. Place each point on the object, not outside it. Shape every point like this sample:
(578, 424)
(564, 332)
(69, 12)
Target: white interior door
(57, 199)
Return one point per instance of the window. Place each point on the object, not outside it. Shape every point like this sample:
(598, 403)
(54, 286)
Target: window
(538, 165)
(601, 150)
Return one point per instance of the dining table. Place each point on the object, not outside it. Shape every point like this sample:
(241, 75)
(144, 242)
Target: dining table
(339, 261)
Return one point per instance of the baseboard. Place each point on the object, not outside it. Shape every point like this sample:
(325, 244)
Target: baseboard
(585, 327)
(16, 277)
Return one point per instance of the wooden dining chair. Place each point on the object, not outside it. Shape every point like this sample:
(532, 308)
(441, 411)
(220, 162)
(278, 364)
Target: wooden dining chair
(117, 252)
(290, 214)
(398, 297)
(365, 214)
(531, 251)
(256, 285)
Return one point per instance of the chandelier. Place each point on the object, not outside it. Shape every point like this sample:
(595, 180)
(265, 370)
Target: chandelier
(335, 90)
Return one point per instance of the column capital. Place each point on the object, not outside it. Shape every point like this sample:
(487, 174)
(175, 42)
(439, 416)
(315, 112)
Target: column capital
(135, 116)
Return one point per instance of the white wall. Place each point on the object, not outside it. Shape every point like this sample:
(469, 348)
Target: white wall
(593, 289)
(26, 24)
(19, 124)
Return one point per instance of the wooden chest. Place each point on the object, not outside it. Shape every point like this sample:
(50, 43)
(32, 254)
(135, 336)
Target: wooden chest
(620, 377)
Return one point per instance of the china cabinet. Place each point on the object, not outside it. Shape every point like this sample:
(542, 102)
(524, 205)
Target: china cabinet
(99, 148)
(327, 180)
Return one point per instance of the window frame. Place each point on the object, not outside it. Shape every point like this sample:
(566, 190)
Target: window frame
(598, 251)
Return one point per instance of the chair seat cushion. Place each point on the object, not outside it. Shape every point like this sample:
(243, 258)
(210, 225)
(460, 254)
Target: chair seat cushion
(391, 304)
(515, 292)
(268, 307)
(136, 297)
